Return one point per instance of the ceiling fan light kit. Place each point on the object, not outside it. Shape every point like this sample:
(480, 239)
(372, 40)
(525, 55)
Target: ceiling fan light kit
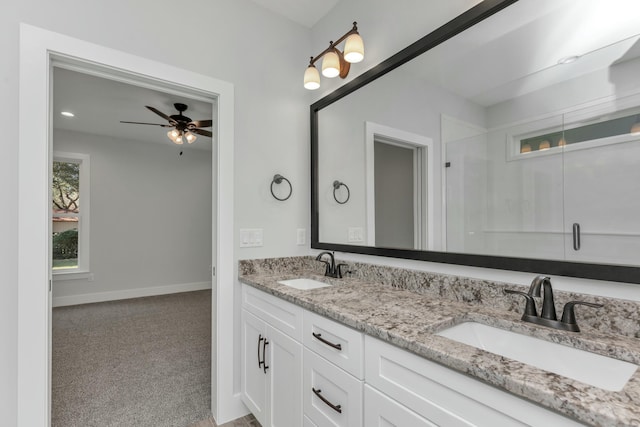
(334, 62)
(184, 129)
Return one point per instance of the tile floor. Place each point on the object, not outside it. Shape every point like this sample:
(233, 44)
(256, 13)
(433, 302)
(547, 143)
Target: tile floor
(246, 421)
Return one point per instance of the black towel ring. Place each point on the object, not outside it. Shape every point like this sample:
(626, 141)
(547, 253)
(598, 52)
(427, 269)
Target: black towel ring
(277, 179)
(336, 185)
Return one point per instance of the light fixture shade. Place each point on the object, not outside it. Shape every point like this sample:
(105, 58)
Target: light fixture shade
(175, 136)
(330, 65)
(526, 148)
(562, 142)
(354, 48)
(311, 78)
(635, 128)
(190, 137)
(544, 145)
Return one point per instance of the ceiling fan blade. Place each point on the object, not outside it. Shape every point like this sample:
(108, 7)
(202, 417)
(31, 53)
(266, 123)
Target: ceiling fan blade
(201, 132)
(201, 123)
(152, 124)
(163, 115)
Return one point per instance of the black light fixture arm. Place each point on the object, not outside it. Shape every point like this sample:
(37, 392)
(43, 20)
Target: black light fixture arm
(332, 44)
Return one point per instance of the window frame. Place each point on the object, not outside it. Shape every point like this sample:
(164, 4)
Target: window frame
(82, 270)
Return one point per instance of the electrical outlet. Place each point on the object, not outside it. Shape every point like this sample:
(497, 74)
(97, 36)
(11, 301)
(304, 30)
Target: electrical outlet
(301, 236)
(355, 234)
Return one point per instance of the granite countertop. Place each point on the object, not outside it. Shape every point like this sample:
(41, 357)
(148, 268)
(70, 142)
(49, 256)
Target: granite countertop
(410, 321)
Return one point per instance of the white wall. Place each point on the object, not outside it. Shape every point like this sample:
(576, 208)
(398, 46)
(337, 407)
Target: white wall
(396, 100)
(150, 219)
(262, 54)
(386, 27)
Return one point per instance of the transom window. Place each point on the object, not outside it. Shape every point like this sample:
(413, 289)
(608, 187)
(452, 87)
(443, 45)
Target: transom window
(609, 129)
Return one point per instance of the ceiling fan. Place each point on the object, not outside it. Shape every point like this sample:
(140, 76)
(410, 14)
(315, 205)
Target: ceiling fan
(184, 129)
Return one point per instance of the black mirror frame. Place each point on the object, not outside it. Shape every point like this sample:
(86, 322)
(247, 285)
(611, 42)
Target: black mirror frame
(609, 272)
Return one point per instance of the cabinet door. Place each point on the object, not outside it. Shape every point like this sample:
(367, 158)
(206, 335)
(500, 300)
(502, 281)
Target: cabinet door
(253, 377)
(382, 411)
(284, 361)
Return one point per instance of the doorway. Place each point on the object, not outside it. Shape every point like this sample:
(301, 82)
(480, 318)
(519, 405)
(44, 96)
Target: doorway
(399, 187)
(131, 217)
(39, 50)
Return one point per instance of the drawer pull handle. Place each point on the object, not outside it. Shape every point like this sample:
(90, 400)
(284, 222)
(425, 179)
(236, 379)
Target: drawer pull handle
(259, 361)
(576, 236)
(322, 340)
(265, 343)
(337, 408)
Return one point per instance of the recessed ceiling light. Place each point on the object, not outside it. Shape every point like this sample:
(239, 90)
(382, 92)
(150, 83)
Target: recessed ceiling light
(67, 114)
(568, 59)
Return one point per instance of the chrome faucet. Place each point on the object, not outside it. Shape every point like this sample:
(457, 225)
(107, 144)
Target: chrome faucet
(548, 315)
(331, 269)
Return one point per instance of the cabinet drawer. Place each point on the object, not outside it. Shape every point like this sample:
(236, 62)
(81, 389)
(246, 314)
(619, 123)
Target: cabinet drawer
(307, 422)
(382, 411)
(337, 343)
(337, 400)
(278, 313)
(446, 397)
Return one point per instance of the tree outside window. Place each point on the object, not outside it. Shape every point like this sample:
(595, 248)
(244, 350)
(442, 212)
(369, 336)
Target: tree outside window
(66, 214)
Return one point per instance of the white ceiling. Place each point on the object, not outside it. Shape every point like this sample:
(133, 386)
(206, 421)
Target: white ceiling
(540, 36)
(533, 35)
(99, 104)
(304, 12)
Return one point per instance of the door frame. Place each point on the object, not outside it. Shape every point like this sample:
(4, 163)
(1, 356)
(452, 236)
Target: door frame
(423, 160)
(38, 49)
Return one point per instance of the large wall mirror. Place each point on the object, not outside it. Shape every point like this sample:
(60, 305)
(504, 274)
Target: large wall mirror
(512, 144)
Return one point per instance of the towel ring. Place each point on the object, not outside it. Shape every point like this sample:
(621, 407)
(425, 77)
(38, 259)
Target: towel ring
(277, 179)
(336, 185)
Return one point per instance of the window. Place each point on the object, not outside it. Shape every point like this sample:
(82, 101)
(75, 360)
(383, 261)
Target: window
(581, 130)
(604, 129)
(70, 213)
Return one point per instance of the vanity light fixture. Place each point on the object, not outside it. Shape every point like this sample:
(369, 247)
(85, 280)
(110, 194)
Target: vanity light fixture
(334, 62)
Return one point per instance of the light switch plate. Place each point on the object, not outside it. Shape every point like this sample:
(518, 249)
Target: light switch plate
(251, 237)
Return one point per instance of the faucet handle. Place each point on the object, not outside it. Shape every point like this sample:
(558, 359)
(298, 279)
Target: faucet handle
(569, 315)
(530, 307)
(339, 268)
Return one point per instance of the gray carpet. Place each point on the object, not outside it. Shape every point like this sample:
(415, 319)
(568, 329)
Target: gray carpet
(137, 362)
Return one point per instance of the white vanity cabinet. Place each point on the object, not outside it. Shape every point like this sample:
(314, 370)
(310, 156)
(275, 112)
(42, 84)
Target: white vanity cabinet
(302, 369)
(436, 395)
(382, 411)
(332, 373)
(271, 361)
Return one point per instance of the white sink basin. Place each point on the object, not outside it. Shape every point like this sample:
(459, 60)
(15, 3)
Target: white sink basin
(590, 368)
(304, 284)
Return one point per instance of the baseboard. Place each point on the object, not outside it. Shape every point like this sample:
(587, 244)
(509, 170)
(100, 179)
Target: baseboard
(128, 293)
